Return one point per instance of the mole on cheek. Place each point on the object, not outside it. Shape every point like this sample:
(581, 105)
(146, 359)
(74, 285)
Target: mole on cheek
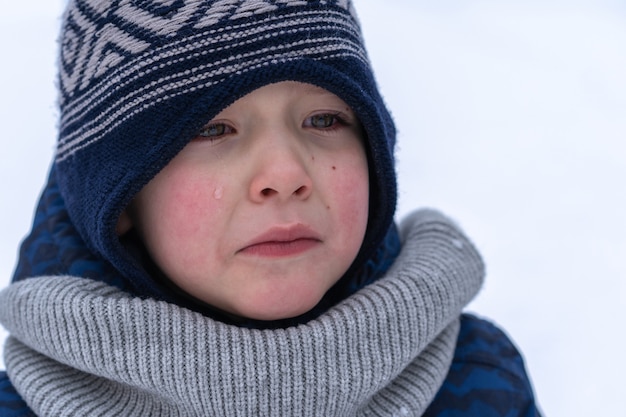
(334, 168)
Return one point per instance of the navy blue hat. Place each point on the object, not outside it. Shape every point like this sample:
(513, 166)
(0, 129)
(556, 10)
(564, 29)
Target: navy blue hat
(138, 78)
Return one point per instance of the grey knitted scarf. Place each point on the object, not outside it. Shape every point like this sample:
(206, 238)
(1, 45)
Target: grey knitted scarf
(82, 348)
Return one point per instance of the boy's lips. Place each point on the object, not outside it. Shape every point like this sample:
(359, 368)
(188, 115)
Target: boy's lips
(282, 241)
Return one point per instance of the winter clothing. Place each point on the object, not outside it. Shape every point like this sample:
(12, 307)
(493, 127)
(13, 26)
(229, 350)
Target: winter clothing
(96, 331)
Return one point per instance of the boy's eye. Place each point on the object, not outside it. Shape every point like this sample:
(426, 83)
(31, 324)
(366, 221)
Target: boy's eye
(322, 121)
(214, 130)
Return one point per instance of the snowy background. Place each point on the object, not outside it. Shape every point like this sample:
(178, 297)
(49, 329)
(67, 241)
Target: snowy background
(512, 120)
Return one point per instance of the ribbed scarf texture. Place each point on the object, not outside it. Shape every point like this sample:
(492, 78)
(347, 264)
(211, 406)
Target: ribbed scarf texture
(82, 348)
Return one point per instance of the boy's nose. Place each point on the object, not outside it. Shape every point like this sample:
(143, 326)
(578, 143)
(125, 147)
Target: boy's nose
(280, 172)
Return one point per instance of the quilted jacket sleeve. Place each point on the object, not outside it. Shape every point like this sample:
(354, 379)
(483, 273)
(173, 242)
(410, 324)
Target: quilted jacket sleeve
(487, 377)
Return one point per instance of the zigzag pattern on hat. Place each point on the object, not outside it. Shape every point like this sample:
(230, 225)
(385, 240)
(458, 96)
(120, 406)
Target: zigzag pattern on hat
(87, 46)
(116, 55)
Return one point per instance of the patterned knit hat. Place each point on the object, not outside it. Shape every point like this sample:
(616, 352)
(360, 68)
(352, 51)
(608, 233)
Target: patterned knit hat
(138, 78)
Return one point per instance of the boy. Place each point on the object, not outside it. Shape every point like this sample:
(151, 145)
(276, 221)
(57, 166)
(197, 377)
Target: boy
(216, 236)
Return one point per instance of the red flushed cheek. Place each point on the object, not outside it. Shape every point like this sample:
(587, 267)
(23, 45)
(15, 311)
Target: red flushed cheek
(192, 206)
(350, 191)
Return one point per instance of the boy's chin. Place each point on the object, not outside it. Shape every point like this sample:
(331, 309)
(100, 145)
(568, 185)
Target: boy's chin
(279, 308)
(274, 313)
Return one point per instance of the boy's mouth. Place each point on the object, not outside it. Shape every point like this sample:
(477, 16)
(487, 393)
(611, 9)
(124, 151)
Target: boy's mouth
(282, 241)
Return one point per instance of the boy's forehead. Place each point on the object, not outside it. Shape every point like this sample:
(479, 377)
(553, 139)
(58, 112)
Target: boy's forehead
(314, 89)
(296, 89)
(306, 88)
(317, 91)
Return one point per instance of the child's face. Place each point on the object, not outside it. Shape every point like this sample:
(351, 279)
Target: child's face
(266, 208)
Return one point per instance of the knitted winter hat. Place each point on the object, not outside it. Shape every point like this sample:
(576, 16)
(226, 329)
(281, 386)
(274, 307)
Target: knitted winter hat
(138, 78)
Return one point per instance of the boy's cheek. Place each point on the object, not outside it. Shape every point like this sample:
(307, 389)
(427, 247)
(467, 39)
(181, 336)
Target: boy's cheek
(178, 202)
(195, 204)
(349, 184)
